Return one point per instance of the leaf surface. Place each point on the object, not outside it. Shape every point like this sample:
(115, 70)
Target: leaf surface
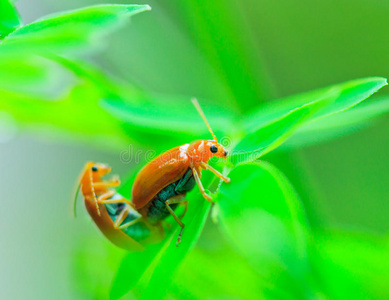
(70, 31)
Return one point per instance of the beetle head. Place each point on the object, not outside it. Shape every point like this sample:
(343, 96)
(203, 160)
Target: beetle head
(214, 149)
(99, 170)
(204, 150)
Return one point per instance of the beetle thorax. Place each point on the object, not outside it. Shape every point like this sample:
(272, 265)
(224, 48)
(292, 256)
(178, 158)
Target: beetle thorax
(196, 153)
(204, 150)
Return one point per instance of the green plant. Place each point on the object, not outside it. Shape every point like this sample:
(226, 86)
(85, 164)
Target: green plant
(264, 226)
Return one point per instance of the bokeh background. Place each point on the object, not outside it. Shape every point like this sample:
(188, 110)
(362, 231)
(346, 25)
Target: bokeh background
(183, 47)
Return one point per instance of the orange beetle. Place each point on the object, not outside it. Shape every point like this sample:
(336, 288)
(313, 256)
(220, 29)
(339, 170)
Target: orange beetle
(164, 182)
(112, 213)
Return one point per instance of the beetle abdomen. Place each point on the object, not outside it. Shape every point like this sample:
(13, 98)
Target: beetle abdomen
(157, 210)
(137, 231)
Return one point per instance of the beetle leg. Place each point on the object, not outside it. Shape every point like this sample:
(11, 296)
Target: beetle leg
(173, 200)
(132, 222)
(123, 215)
(112, 183)
(121, 218)
(105, 196)
(123, 200)
(214, 171)
(198, 181)
(101, 198)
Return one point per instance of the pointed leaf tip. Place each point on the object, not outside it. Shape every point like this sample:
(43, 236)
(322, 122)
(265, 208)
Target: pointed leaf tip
(138, 8)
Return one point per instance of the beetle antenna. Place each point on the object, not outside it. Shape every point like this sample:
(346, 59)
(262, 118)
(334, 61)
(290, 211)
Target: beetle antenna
(75, 200)
(78, 189)
(200, 111)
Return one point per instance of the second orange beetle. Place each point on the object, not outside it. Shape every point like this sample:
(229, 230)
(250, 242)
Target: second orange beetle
(164, 182)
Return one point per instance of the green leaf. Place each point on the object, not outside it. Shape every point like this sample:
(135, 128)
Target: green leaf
(263, 218)
(30, 92)
(9, 18)
(270, 126)
(157, 265)
(166, 112)
(131, 269)
(350, 94)
(156, 121)
(72, 30)
(77, 112)
(94, 261)
(210, 274)
(168, 117)
(129, 273)
(353, 265)
(265, 139)
(34, 76)
(158, 280)
(338, 125)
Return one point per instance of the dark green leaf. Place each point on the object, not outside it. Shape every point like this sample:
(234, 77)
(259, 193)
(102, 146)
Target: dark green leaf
(9, 18)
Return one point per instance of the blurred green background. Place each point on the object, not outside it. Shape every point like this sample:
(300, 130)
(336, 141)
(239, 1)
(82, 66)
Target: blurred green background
(234, 53)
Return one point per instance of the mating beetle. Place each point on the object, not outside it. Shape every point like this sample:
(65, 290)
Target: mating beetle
(158, 188)
(112, 213)
(163, 183)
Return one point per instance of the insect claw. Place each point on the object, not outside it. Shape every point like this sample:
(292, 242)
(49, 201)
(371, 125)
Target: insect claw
(208, 197)
(179, 237)
(116, 179)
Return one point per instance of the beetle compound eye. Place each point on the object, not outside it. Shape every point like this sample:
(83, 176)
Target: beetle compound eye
(94, 169)
(213, 149)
